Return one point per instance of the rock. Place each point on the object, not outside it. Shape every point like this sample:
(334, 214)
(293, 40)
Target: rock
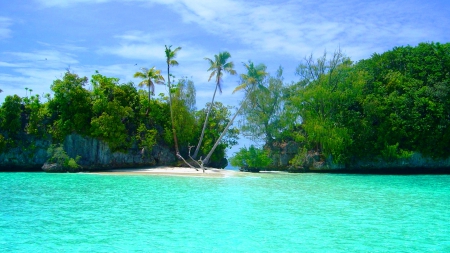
(219, 164)
(31, 154)
(96, 155)
(57, 168)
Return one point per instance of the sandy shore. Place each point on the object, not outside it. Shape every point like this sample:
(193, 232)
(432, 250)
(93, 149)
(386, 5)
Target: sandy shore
(172, 171)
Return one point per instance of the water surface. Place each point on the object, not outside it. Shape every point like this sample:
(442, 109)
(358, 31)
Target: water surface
(42, 212)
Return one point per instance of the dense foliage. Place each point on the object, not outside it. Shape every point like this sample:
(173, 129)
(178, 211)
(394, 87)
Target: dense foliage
(116, 113)
(389, 106)
(251, 159)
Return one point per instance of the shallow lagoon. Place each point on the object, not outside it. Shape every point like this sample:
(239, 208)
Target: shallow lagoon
(42, 212)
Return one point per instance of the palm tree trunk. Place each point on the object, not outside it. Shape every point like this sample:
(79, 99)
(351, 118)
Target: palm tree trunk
(171, 113)
(206, 160)
(204, 125)
(149, 97)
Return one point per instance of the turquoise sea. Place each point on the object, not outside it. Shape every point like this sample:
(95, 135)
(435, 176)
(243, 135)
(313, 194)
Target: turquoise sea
(42, 212)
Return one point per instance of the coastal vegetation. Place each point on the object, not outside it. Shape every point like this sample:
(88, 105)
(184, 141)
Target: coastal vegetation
(391, 106)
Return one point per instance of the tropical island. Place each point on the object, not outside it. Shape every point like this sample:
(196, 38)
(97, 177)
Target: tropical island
(386, 114)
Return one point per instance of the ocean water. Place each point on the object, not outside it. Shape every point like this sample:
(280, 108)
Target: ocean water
(42, 212)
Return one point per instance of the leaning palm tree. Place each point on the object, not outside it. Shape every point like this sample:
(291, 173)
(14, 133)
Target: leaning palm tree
(149, 77)
(170, 55)
(249, 83)
(218, 66)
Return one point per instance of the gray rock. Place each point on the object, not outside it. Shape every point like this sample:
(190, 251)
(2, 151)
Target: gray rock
(31, 154)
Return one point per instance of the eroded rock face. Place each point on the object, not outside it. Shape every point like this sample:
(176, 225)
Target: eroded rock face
(30, 155)
(95, 155)
(415, 163)
(282, 153)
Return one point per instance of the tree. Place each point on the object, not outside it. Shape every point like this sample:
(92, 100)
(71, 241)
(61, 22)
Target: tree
(183, 102)
(219, 118)
(406, 101)
(150, 78)
(251, 159)
(114, 108)
(70, 107)
(262, 112)
(170, 55)
(326, 97)
(218, 66)
(10, 115)
(249, 83)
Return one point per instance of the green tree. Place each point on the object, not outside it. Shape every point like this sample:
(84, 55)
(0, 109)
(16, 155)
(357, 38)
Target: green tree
(406, 101)
(70, 107)
(150, 78)
(218, 66)
(170, 60)
(326, 98)
(183, 102)
(249, 83)
(218, 119)
(114, 108)
(10, 115)
(263, 110)
(251, 159)
(36, 115)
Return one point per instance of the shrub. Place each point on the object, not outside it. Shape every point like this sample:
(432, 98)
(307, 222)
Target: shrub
(252, 158)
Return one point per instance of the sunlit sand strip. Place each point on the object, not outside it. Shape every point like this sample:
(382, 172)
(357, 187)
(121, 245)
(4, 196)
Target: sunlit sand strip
(172, 171)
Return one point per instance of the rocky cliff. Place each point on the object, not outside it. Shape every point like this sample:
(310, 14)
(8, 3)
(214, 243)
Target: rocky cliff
(31, 154)
(283, 153)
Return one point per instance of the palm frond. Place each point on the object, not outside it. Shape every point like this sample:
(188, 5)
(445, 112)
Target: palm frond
(240, 87)
(212, 74)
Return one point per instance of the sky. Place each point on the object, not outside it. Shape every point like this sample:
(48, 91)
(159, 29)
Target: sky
(41, 39)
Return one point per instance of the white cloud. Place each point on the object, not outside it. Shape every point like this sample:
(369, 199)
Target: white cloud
(298, 28)
(5, 23)
(293, 28)
(138, 51)
(41, 59)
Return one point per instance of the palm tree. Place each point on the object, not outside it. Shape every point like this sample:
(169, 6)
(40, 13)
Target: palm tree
(217, 67)
(149, 77)
(249, 82)
(170, 55)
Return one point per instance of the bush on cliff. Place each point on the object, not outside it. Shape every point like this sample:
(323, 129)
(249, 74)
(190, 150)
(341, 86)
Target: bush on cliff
(59, 161)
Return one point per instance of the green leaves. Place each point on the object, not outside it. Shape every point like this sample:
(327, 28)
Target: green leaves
(150, 78)
(71, 101)
(10, 115)
(220, 65)
(251, 158)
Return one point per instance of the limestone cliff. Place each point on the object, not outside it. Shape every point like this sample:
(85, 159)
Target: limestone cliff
(31, 154)
(283, 153)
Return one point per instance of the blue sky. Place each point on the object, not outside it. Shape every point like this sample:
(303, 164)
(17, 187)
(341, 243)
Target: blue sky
(40, 39)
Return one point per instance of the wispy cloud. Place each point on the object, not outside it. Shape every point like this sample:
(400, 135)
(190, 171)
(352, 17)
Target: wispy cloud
(299, 28)
(5, 31)
(40, 59)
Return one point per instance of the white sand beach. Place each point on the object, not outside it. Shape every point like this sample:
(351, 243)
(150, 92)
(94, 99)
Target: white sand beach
(172, 171)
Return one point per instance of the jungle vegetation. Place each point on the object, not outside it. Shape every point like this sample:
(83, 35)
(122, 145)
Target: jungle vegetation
(388, 106)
